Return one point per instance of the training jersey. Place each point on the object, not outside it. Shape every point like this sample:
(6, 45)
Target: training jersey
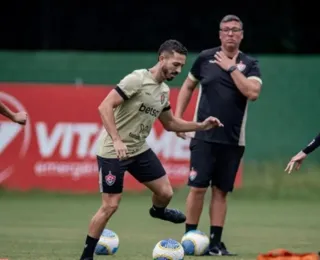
(144, 100)
(219, 97)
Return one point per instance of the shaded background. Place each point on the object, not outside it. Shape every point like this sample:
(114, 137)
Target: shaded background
(270, 26)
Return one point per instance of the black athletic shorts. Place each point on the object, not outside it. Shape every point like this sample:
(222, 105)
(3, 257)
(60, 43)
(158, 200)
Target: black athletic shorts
(143, 167)
(214, 163)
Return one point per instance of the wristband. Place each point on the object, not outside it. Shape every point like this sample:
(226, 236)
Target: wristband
(232, 68)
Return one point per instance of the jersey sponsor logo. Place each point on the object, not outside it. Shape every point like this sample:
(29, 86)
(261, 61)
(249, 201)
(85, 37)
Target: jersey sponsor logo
(143, 132)
(134, 136)
(149, 110)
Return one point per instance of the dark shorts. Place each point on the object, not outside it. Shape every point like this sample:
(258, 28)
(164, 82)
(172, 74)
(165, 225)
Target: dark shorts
(144, 167)
(214, 164)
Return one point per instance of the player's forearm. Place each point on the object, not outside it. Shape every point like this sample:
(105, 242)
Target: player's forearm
(4, 110)
(315, 143)
(107, 117)
(247, 87)
(180, 125)
(183, 101)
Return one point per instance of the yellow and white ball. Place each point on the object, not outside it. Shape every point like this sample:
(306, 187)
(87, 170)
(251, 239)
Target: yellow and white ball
(108, 243)
(195, 243)
(168, 249)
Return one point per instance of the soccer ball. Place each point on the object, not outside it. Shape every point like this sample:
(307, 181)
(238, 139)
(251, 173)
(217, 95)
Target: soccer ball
(168, 249)
(195, 243)
(108, 243)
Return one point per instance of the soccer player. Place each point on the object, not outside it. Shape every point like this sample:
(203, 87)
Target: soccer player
(228, 79)
(19, 117)
(296, 161)
(128, 113)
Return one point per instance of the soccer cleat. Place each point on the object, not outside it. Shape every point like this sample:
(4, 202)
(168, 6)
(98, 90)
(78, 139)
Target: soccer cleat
(171, 215)
(220, 250)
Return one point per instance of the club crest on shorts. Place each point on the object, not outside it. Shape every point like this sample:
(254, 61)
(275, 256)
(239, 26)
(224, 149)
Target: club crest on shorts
(162, 98)
(192, 174)
(110, 179)
(241, 66)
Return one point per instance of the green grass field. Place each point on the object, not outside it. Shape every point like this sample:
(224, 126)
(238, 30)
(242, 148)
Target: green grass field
(51, 227)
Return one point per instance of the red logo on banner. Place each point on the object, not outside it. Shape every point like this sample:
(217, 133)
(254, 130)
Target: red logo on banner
(56, 150)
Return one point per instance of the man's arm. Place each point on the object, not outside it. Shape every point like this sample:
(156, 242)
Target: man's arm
(189, 85)
(19, 117)
(175, 124)
(249, 87)
(184, 96)
(126, 88)
(297, 160)
(315, 143)
(4, 110)
(106, 108)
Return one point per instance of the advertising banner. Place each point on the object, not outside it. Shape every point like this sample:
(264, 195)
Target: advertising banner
(56, 149)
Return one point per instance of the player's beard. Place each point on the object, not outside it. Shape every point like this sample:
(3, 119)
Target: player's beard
(169, 76)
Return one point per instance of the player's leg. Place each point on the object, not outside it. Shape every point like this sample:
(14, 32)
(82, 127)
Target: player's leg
(227, 164)
(111, 173)
(201, 165)
(147, 169)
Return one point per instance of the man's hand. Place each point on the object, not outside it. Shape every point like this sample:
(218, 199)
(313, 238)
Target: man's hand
(295, 162)
(223, 61)
(20, 118)
(121, 149)
(210, 122)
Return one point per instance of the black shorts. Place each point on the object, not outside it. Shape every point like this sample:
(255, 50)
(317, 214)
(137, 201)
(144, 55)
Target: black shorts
(214, 163)
(143, 167)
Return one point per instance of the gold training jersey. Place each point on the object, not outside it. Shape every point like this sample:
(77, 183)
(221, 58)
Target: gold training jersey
(144, 100)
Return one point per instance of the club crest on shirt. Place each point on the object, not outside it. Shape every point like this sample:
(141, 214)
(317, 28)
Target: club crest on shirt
(241, 66)
(110, 179)
(162, 98)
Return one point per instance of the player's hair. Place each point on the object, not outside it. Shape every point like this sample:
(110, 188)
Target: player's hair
(171, 46)
(230, 18)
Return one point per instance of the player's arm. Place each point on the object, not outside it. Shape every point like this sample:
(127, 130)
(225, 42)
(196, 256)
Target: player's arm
(297, 160)
(315, 143)
(4, 110)
(112, 100)
(20, 117)
(124, 90)
(175, 124)
(249, 86)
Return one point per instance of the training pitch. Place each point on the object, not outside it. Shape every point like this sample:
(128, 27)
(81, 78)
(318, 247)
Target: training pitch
(52, 227)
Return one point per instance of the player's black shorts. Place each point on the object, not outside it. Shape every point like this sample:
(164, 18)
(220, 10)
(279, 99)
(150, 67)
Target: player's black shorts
(143, 167)
(214, 163)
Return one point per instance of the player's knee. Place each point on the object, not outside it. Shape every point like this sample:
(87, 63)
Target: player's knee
(198, 193)
(110, 203)
(166, 193)
(218, 194)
